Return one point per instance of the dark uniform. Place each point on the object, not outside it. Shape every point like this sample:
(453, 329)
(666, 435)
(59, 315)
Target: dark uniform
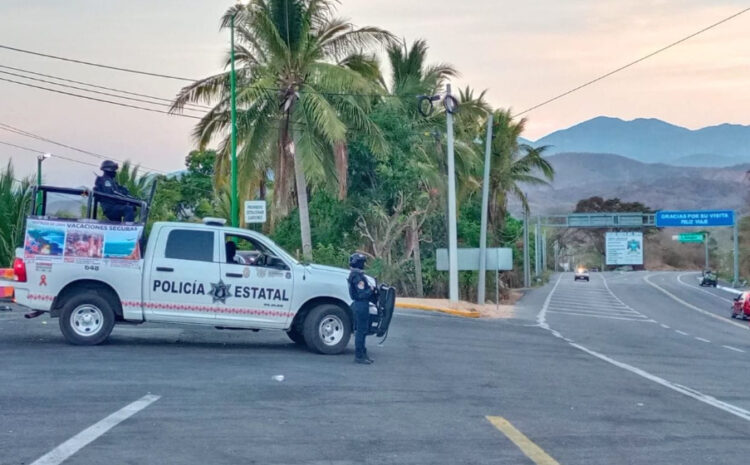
(107, 184)
(361, 294)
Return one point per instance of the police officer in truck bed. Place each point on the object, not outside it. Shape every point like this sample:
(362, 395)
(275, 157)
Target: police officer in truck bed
(113, 209)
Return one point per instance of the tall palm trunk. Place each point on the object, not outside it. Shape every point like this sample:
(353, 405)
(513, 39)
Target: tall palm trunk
(304, 211)
(283, 193)
(341, 158)
(301, 182)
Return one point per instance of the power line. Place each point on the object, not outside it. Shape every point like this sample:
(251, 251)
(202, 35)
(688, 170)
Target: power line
(97, 65)
(137, 94)
(12, 129)
(99, 99)
(96, 86)
(147, 73)
(67, 86)
(55, 156)
(621, 68)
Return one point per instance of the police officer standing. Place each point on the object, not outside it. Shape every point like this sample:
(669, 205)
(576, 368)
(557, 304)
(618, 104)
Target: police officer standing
(107, 184)
(361, 293)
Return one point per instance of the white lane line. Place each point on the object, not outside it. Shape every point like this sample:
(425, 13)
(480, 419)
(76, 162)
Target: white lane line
(541, 319)
(703, 340)
(577, 308)
(582, 300)
(679, 279)
(85, 437)
(681, 332)
(664, 326)
(693, 307)
(641, 319)
(734, 349)
(617, 298)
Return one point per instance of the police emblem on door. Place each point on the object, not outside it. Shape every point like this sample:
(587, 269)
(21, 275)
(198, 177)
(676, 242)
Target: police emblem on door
(220, 291)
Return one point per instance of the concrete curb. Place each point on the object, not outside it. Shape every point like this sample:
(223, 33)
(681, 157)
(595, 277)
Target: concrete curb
(431, 308)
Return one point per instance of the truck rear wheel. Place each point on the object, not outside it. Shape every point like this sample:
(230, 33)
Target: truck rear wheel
(87, 318)
(327, 329)
(296, 335)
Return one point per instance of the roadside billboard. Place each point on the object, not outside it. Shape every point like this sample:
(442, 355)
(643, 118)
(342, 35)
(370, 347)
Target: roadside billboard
(85, 242)
(624, 248)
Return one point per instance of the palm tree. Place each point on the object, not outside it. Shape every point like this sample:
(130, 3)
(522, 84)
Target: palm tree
(137, 183)
(513, 165)
(15, 198)
(300, 79)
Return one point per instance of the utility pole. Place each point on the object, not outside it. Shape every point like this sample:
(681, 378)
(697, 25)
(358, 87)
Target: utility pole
(537, 247)
(705, 243)
(544, 251)
(234, 201)
(556, 254)
(526, 271)
(452, 229)
(736, 234)
(485, 204)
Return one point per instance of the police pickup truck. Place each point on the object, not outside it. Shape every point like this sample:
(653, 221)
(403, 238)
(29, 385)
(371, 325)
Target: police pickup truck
(94, 274)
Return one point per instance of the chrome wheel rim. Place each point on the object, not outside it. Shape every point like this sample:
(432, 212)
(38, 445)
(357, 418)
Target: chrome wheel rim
(86, 320)
(331, 330)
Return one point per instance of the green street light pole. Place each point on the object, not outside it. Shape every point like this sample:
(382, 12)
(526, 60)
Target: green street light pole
(234, 200)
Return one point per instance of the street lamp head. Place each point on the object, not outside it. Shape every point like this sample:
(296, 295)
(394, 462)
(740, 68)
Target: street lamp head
(44, 156)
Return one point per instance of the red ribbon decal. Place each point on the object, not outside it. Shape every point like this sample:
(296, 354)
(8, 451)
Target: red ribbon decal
(43, 280)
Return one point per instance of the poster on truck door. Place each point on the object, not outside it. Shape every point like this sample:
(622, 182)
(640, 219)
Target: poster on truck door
(82, 242)
(624, 248)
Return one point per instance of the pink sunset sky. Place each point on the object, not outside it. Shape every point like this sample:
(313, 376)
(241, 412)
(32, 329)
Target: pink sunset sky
(522, 52)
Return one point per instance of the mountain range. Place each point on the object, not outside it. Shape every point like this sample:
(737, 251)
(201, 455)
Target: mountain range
(651, 161)
(657, 185)
(652, 140)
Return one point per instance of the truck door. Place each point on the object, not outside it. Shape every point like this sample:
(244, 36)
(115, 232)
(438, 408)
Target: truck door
(184, 283)
(261, 284)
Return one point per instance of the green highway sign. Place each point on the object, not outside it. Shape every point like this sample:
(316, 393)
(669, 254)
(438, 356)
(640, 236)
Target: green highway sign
(689, 237)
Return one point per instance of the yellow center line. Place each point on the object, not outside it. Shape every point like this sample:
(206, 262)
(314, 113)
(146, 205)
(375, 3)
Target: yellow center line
(531, 450)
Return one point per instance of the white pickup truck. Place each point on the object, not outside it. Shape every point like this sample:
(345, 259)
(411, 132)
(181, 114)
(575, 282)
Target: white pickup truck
(93, 274)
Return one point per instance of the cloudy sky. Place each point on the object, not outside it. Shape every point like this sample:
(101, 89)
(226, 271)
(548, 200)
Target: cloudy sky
(522, 52)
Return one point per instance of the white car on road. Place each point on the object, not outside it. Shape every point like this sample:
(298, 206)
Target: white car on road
(581, 274)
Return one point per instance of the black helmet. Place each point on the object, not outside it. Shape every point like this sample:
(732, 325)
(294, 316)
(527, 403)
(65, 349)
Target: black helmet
(357, 260)
(109, 166)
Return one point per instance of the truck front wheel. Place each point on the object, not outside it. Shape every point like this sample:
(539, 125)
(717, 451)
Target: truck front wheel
(327, 329)
(86, 319)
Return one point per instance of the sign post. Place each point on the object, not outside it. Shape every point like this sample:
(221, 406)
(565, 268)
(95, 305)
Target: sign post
(667, 218)
(255, 211)
(624, 248)
(690, 237)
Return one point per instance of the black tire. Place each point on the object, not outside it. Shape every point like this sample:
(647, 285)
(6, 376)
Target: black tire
(87, 318)
(734, 315)
(296, 336)
(327, 319)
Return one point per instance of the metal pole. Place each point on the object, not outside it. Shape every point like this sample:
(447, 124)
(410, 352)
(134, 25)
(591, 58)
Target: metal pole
(537, 247)
(526, 277)
(234, 200)
(544, 251)
(736, 228)
(485, 204)
(39, 160)
(557, 255)
(452, 230)
(705, 241)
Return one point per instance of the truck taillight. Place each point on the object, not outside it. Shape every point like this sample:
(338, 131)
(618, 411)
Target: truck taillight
(19, 270)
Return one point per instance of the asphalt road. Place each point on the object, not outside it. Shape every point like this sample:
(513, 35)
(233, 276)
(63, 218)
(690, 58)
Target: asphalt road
(619, 370)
